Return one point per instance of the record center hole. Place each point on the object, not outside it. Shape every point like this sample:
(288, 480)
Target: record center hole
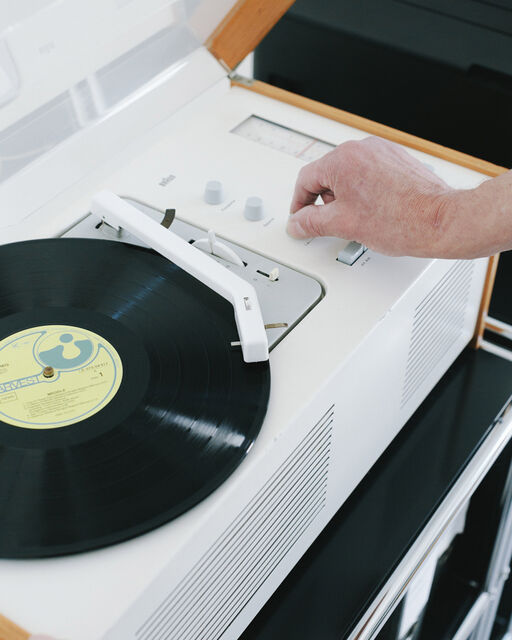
(48, 372)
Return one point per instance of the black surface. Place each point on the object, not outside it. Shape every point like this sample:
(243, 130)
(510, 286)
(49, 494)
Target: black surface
(186, 412)
(439, 70)
(343, 571)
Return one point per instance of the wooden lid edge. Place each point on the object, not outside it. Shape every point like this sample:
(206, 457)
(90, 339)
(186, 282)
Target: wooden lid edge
(243, 28)
(374, 128)
(11, 631)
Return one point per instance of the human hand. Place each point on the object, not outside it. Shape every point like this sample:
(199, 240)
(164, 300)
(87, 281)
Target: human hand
(376, 193)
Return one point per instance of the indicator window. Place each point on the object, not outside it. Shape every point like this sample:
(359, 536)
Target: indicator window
(281, 138)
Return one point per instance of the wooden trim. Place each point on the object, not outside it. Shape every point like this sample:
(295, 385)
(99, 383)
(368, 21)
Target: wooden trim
(244, 28)
(406, 139)
(11, 631)
(375, 128)
(485, 301)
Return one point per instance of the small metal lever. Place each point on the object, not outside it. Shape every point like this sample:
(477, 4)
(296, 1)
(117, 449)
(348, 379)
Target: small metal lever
(169, 216)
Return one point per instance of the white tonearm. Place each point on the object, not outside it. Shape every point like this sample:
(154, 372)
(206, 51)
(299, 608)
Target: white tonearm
(119, 214)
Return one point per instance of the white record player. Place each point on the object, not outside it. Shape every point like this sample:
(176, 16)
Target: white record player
(124, 96)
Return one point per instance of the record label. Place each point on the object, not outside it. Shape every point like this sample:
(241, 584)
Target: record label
(56, 375)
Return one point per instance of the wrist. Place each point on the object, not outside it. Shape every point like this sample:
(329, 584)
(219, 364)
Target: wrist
(438, 213)
(464, 225)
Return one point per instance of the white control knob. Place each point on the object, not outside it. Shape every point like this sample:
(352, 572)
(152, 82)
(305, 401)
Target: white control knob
(213, 192)
(253, 208)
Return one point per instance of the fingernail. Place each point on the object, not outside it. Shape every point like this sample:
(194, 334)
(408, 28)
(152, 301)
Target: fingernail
(294, 228)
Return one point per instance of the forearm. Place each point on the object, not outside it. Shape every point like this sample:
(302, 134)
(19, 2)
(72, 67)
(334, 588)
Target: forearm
(476, 222)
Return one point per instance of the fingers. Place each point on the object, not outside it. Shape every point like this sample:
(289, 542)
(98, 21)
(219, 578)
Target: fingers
(319, 220)
(311, 182)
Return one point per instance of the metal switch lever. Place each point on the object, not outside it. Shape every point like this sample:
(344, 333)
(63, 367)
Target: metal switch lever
(212, 246)
(351, 253)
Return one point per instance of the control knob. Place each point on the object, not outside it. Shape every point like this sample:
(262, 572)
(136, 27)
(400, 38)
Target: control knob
(253, 208)
(213, 192)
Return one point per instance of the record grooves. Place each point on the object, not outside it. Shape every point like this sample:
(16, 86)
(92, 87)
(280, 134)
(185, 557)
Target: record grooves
(143, 410)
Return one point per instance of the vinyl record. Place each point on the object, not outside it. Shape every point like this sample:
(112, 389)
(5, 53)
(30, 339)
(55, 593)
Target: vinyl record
(122, 402)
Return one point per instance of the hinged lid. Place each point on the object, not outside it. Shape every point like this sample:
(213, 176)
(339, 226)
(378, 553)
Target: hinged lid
(68, 66)
(244, 27)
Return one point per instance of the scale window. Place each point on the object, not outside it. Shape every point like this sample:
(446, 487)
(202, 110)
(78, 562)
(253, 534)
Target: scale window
(281, 138)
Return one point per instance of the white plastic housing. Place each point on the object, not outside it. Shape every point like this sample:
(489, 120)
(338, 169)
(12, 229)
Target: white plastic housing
(345, 379)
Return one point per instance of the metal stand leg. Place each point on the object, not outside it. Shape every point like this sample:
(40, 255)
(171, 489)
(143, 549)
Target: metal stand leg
(508, 635)
(499, 567)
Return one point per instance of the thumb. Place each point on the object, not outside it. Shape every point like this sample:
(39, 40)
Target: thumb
(316, 220)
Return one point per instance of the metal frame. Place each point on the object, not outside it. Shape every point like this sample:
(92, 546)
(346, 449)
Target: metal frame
(499, 567)
(394, 590)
